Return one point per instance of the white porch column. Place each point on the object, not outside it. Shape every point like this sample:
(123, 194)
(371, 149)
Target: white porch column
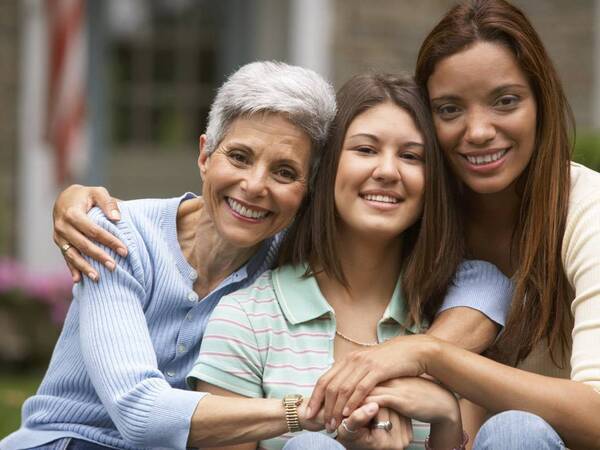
(36, 184)
(311, 29)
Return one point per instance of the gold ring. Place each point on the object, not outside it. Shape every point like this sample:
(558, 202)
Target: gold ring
(65, 248)
(347, 428)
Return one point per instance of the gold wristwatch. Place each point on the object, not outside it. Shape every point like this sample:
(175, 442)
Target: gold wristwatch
(290, 405)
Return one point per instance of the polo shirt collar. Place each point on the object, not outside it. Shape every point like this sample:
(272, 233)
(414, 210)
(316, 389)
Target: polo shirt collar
(301, 299)
(397, 310)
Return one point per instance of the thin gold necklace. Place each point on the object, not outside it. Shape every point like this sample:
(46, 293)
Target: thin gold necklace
(362, 344)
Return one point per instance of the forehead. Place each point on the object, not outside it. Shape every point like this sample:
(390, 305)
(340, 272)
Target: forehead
(477, 69)
(385, 120)
(268, 131)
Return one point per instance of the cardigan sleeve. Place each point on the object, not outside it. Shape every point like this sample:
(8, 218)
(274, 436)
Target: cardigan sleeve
(118, 352)
(581, 259)
(482, 286)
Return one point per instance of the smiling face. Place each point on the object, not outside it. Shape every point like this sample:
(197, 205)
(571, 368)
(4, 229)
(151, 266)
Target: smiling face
(485, 116)
(380, 178)
(255, 179)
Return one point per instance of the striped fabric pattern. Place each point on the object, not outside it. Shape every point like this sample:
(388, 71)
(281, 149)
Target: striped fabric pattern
(276, 338)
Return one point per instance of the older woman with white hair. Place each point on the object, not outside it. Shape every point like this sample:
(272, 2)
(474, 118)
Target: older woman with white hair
(117, 375)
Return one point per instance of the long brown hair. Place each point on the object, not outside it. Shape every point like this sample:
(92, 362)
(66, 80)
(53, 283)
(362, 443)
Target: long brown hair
(540, 307)
(427, 264)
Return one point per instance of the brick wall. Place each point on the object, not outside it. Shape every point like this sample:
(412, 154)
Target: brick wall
(386, 34)
(9, 66)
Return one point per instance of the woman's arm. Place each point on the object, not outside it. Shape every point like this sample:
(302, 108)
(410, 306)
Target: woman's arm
(72, 226)
(118, 350)
(222, 427)
(571, 407)
(479, 292)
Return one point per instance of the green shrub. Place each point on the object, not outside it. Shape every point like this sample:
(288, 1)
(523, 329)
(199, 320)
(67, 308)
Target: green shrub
(587, 149)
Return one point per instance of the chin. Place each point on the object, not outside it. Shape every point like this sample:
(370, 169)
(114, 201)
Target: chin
(241, 239)
(488, 186)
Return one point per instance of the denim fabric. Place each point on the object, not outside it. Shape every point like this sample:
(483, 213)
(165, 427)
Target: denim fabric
(517, 430)
(313, 441)
(71, 444)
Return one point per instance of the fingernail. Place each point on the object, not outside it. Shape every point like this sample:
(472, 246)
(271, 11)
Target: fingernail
(371, 408)
(346, 411)
(93, 276)
(122, 251)
(308, 411)
(115, 215)
(110, 265)
(333, 424)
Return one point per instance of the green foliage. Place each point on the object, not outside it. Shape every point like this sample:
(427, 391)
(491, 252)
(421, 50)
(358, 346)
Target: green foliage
(14, 389)
(587, 150)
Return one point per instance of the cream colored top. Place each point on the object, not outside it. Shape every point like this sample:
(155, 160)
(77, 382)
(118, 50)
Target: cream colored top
(581, 260)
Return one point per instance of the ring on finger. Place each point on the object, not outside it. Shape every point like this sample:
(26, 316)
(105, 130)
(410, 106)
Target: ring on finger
(65, 248)
(349, 430)
(383, 425)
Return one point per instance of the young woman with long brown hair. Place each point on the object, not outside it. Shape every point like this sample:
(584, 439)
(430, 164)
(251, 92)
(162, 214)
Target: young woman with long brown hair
(505, 128)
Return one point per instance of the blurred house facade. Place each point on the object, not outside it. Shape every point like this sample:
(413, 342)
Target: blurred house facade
(158, 62)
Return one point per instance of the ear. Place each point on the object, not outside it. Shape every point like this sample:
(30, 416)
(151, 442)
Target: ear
(203, 156)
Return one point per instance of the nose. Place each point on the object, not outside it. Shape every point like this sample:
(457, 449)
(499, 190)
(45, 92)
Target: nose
(387, 168)
(254, 184)
(480, 129)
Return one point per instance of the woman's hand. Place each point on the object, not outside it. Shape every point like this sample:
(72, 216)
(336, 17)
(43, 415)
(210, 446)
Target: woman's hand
(73, 227)
(344, 387)
(357, 431)
(426, 401)
(417, 398)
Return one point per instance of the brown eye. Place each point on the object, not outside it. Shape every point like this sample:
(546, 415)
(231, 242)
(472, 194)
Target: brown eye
(448, 111)
(364, 150)
(507, 102)
(286, 174)
(238, 156)
(411, 156)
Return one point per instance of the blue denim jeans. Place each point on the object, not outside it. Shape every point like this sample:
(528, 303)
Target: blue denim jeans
(71, 444)
(313, 441)
(517, 430)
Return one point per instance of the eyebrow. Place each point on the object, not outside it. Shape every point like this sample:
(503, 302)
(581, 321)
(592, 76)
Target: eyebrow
(376, 139)
(497, 90)
(283, 160)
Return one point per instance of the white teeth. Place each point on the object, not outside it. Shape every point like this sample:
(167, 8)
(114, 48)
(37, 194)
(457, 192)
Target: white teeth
(478, 160)
(380, 198)
(245, 211)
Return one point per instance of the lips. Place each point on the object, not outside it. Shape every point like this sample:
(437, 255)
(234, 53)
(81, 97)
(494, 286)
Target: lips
(247, 211)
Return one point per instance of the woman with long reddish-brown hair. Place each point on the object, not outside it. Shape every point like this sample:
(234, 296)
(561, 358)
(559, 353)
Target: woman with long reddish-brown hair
(505, 128)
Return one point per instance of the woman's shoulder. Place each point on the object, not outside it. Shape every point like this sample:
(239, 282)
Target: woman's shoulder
(585, 184)
(260, 295)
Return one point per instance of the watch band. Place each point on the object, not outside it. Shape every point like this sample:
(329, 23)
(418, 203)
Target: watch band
(290, 405)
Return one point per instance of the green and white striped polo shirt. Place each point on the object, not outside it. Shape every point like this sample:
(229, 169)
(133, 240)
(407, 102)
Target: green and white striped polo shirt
(276, 338)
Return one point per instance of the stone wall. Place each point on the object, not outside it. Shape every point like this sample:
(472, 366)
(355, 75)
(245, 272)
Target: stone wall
(386, 34)
(9, 84)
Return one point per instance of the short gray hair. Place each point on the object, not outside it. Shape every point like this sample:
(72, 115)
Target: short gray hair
(301, 95)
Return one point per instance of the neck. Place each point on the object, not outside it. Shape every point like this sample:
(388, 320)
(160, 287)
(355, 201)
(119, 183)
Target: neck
(205, 250)
(498, 210)
(371, 268)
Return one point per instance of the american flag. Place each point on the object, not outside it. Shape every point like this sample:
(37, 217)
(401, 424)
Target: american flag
(67, 86)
